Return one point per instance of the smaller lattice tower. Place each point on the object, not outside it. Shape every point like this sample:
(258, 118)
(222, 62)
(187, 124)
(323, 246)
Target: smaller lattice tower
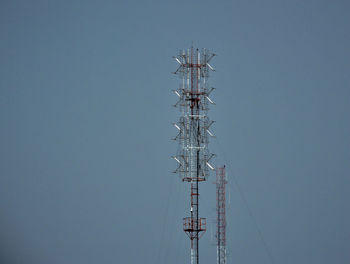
(221, 214)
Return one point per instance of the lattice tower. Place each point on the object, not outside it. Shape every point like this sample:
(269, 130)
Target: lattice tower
(193, 155)
(221, 214)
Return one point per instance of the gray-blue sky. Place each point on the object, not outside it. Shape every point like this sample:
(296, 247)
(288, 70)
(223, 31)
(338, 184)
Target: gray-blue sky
(85, 112)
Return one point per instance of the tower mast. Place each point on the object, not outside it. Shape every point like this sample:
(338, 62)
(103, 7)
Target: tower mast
(221, 214)
(193, 155)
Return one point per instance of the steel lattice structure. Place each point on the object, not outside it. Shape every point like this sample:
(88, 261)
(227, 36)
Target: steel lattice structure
(193, 155)
(221, 214)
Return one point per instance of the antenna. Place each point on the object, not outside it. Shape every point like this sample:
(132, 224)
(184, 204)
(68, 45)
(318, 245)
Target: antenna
(193, 156)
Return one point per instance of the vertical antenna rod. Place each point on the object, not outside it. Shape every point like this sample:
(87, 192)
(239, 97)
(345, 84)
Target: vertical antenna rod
(193, 155)
(221, 214)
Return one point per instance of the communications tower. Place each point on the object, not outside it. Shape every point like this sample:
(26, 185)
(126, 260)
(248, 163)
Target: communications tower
(193, 156)
(221, 214)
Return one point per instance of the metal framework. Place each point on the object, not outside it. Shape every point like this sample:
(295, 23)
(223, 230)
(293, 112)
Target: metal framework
(193, 155)
(221, 214)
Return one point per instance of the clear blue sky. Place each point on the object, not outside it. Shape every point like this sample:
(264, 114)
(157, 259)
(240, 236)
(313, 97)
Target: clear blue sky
(85, 114)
